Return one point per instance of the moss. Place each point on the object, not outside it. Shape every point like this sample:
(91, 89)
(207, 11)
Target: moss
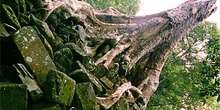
(59, 88)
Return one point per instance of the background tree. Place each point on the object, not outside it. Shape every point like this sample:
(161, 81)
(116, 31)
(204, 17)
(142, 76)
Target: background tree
(124, 6)
(185, 81)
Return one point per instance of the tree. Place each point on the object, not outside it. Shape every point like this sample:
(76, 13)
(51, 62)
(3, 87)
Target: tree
(182, 80)
(210, 68)
(130, 50)
(124, 6)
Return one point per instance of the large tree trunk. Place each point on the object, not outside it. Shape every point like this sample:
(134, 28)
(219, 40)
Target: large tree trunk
(136, 47)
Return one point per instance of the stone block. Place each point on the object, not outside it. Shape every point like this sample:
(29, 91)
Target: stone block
(34, 53)
(84, 75)
(59, 88)
(27, 79)
(63, 59)
(85, 96)
(100, 71)
(107, 82)
(13, 96)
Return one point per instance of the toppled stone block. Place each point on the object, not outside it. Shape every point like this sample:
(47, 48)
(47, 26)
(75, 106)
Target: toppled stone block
(86, 76)
(74, 47)
(79, 76)
(34, 53)
(63, 59)
(107, 82)
(43, 28)
(100, 71)
(13, 96)
(85, 96)
(67, 33)
(59, 88)
(27, 79)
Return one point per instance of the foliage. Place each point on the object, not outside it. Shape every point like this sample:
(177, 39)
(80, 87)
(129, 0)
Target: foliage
(190, 77)
(210, 68)
(124, 6)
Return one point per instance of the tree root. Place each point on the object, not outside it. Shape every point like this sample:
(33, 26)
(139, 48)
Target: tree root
(109, 56)
(107, 102)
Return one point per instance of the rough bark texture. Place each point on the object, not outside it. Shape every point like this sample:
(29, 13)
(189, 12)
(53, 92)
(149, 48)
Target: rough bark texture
(139, 44)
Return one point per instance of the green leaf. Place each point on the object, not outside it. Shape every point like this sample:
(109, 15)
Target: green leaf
(3, 32)
(24, 19)
(11, 15)
(23, 5)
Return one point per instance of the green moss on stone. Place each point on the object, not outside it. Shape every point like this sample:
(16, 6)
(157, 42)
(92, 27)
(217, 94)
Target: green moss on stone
(34, 53)
(59, 88)
(85, 97)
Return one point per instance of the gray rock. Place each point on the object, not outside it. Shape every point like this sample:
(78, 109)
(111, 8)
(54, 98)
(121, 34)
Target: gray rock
(76, 48)
(34, 53)
(32, 86)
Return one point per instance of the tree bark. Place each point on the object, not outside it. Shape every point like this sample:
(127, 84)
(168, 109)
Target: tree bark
(139, 44)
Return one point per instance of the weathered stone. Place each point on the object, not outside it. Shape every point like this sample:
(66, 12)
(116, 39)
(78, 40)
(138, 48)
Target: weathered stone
(76, 48)
(63, 59)
(13, 96)
(43, 28)
(32, 86)
(79, 76)
(34, 53)
(67, 33)
(95, 81)
(44, 106)
(47, 45)
(59, 87)
(122, 104)
(100, 71)
(107, 82)
(85, 97)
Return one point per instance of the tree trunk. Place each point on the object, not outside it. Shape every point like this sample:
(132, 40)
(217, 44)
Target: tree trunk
(138, 45)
